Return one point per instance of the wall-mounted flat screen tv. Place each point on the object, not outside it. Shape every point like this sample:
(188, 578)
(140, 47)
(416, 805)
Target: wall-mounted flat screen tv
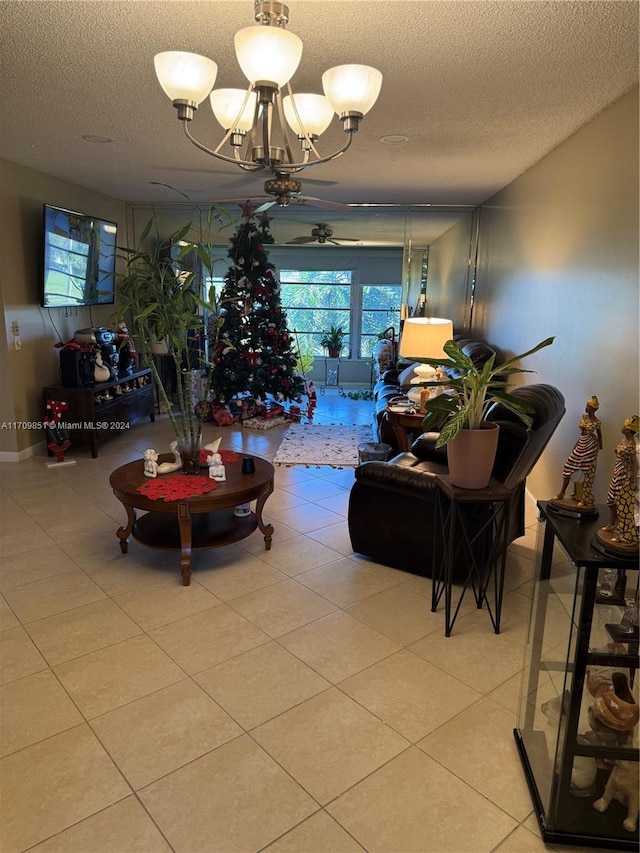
(79, 259)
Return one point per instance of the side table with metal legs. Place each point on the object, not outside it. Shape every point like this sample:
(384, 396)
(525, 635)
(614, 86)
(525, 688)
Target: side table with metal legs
(475, 525)
(332, 375)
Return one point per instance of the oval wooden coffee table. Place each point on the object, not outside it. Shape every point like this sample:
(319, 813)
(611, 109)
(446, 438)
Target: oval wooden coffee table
(203, 521)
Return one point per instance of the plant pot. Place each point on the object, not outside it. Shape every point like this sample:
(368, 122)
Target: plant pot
(189, 448)
(334, 352)
(158, 347)
(471, 455)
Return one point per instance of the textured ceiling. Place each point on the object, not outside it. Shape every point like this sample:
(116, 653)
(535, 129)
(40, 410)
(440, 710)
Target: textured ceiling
(482, 89)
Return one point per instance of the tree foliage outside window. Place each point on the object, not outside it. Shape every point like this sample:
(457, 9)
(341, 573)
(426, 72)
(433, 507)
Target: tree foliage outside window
(317, 300)
(380, 310)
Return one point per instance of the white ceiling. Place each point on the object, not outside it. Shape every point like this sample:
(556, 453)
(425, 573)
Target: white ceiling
(483, 89)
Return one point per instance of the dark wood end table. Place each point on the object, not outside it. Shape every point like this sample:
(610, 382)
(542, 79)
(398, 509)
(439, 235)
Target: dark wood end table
(203, 521)
(403, 425)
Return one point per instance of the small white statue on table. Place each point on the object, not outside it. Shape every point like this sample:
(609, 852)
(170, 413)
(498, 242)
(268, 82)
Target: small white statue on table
(150, 463)
(216, 468)
(169, 467)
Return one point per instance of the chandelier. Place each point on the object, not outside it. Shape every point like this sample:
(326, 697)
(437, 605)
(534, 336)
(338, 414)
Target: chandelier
(257, 121)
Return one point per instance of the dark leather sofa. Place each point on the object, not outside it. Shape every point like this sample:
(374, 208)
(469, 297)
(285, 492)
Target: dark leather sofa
(390, 382)
(391, 506)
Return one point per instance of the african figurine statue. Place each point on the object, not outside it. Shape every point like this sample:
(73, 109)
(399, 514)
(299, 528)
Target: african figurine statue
(621, 534)
(580, 467)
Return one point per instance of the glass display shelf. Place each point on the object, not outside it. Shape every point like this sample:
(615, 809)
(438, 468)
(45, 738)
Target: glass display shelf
(577, 731)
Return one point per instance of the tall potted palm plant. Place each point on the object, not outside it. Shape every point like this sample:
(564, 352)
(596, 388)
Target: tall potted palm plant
(459, 412)
(160, 302)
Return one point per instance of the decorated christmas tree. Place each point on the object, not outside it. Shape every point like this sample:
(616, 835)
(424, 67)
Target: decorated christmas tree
(256, 352)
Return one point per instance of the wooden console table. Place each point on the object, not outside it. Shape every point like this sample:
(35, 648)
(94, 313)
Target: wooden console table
(203, 521)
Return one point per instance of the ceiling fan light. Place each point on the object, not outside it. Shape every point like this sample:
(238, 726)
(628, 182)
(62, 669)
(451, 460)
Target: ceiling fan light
(314, 111)
(352, 88)
(185, 76)
(227, 104)
(268, 54)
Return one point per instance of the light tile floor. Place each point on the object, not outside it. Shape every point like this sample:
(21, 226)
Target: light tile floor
(301, 700)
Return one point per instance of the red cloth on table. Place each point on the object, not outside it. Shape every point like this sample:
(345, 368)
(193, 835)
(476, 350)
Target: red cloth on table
(175, 487)
(226, 456)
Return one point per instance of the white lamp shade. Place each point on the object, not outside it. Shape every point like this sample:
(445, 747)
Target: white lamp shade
(269, 54)
(352, 88)
(314, 111)
(424, 337)
(227, 106)
(185, 76)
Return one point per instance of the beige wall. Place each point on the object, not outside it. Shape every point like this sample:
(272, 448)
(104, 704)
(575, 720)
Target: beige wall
(558, 255)
(23, 373)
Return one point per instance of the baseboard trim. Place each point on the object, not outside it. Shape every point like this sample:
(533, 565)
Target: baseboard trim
(21, 455)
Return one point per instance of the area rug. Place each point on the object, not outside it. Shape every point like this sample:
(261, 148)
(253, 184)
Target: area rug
(319, 444)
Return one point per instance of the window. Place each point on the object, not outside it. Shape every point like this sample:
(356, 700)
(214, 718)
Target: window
(316, 300)
(380, 309)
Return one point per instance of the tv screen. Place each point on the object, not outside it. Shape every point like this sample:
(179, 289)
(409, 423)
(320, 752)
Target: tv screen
(79, 259)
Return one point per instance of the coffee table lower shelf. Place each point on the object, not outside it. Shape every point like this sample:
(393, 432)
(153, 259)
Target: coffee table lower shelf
(208, 530)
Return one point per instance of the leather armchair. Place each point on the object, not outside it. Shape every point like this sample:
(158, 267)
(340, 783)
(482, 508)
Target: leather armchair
(392, 504)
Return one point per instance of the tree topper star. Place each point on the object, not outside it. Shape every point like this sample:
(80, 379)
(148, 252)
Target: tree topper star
(248, 208)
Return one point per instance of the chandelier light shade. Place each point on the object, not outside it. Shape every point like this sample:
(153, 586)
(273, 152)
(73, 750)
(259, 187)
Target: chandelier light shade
(185, 76)
(310, 114)
(268, 54)
(258, 120)
(352, 88)
(227, 106)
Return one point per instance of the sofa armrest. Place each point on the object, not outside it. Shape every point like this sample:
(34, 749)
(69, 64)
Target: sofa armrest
(401, 476)
(389, 377)
(424, 447)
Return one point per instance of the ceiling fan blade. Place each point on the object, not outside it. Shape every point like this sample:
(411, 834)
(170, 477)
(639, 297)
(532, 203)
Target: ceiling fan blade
(300, 240)
(265, 206)
(318, 181)
(311, 201)
(262, 202)
(349, 239)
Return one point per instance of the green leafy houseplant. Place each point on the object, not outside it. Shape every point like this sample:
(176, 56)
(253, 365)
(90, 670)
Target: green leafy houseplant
(471, 392)
(159, 301)
(332, 339)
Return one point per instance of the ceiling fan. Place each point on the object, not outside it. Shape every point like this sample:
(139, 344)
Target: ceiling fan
(322, 233)
(284, 190)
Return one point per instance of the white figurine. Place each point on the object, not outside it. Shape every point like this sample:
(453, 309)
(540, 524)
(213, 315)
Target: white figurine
(216, 468)
(150, 463)
(168, 467)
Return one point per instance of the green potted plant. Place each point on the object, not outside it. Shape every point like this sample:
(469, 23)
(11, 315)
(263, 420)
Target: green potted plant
(459, 412)
(331, 340)
(160, 302)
